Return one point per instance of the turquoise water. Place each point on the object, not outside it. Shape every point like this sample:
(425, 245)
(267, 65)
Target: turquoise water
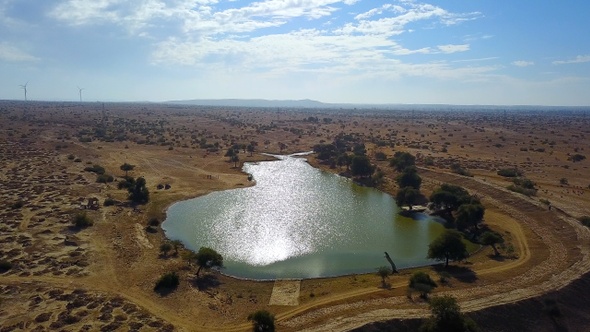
(300, 222)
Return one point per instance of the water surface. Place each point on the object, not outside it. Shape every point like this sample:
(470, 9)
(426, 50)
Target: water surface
(300, 222)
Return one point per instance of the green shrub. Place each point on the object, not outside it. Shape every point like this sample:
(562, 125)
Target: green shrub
(456, 168)
(585, 220)
(104, 178)
(81, 220)
(577, 157)
(170, 281)
(95, 169)
(509, 172)
(521, 190)
(5, 266)
(109, 201)
(17, 205)
(154, 222)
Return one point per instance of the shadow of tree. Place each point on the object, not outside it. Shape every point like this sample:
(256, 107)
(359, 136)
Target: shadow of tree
(497, 258)
(206, 282)
(164, 291)
(461, 273)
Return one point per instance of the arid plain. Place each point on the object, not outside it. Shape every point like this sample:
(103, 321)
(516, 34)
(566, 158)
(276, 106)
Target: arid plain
(59, 277)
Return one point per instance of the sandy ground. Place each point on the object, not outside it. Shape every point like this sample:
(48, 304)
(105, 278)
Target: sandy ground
(102, 277)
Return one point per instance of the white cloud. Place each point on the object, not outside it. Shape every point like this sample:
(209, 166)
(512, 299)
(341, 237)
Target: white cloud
(522, 63)
(13, 54)
(578, 59)
(448, 49)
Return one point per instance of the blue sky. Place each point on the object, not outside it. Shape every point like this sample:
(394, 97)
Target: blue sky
(501, 52)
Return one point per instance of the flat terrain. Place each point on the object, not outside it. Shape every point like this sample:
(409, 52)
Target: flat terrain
(102, 277)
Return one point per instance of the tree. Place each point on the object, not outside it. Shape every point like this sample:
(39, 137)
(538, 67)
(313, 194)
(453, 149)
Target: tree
(263, 321)
(447, 246)
(208, 258)
(361, 166)
(235, 159)
(401, 160)
(450, 197)
(165, 247)
(126, 168)
(422, 283)
(447, 316)
(250, 149)
(409, 178)
(491, 239)
(343, 160)
(230, 153)
(138, 192)
(407, 196)
(383, 272)
(167, 281)
(175, 245)
(470, 214)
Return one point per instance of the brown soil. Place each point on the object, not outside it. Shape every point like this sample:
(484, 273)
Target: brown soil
(102, 277)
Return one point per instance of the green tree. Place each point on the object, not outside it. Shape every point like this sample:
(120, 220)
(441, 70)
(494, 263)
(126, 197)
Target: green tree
(165, 248)
(235, 159)
(470, 214)
(402, 160)
(491, 239)
(447, 316)
(450, 197)
(170, 281)
(448, 246)
(383, 272)
(409, 178)
(263, 321)
(230, 153)
(407, 196)
(126, 168)
(208, 258)
(343, 160)
(361, 166)
(422, 283)
(138, 192)
(176, 244)
(250, 149)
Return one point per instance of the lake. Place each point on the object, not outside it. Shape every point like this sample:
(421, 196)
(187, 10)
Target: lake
(301, 222)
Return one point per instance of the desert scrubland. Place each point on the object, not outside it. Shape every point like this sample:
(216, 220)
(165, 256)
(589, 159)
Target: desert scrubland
(61, 162)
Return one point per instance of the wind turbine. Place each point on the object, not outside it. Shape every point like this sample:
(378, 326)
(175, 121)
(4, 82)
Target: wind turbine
(80, 92)
(24, 87)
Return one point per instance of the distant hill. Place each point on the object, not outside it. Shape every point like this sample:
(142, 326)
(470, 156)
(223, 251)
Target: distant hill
(305, 103)
(314, 104)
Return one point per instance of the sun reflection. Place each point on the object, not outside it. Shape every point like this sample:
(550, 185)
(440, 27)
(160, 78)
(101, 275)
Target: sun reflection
(296, 220)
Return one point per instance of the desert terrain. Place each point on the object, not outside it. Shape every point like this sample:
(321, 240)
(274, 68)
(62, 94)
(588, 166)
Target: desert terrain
(56, 276)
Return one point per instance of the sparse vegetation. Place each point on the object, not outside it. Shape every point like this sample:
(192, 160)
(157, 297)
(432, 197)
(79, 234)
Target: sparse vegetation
(448, 246)
(422, 283)
(510, 172)
(207, 258)
(263, 321)
(82, 220)
(447, 316)
(5, 266)
(168, 281)
(523, 186)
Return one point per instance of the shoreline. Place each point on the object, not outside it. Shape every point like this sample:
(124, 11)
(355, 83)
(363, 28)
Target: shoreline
(411, 215)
